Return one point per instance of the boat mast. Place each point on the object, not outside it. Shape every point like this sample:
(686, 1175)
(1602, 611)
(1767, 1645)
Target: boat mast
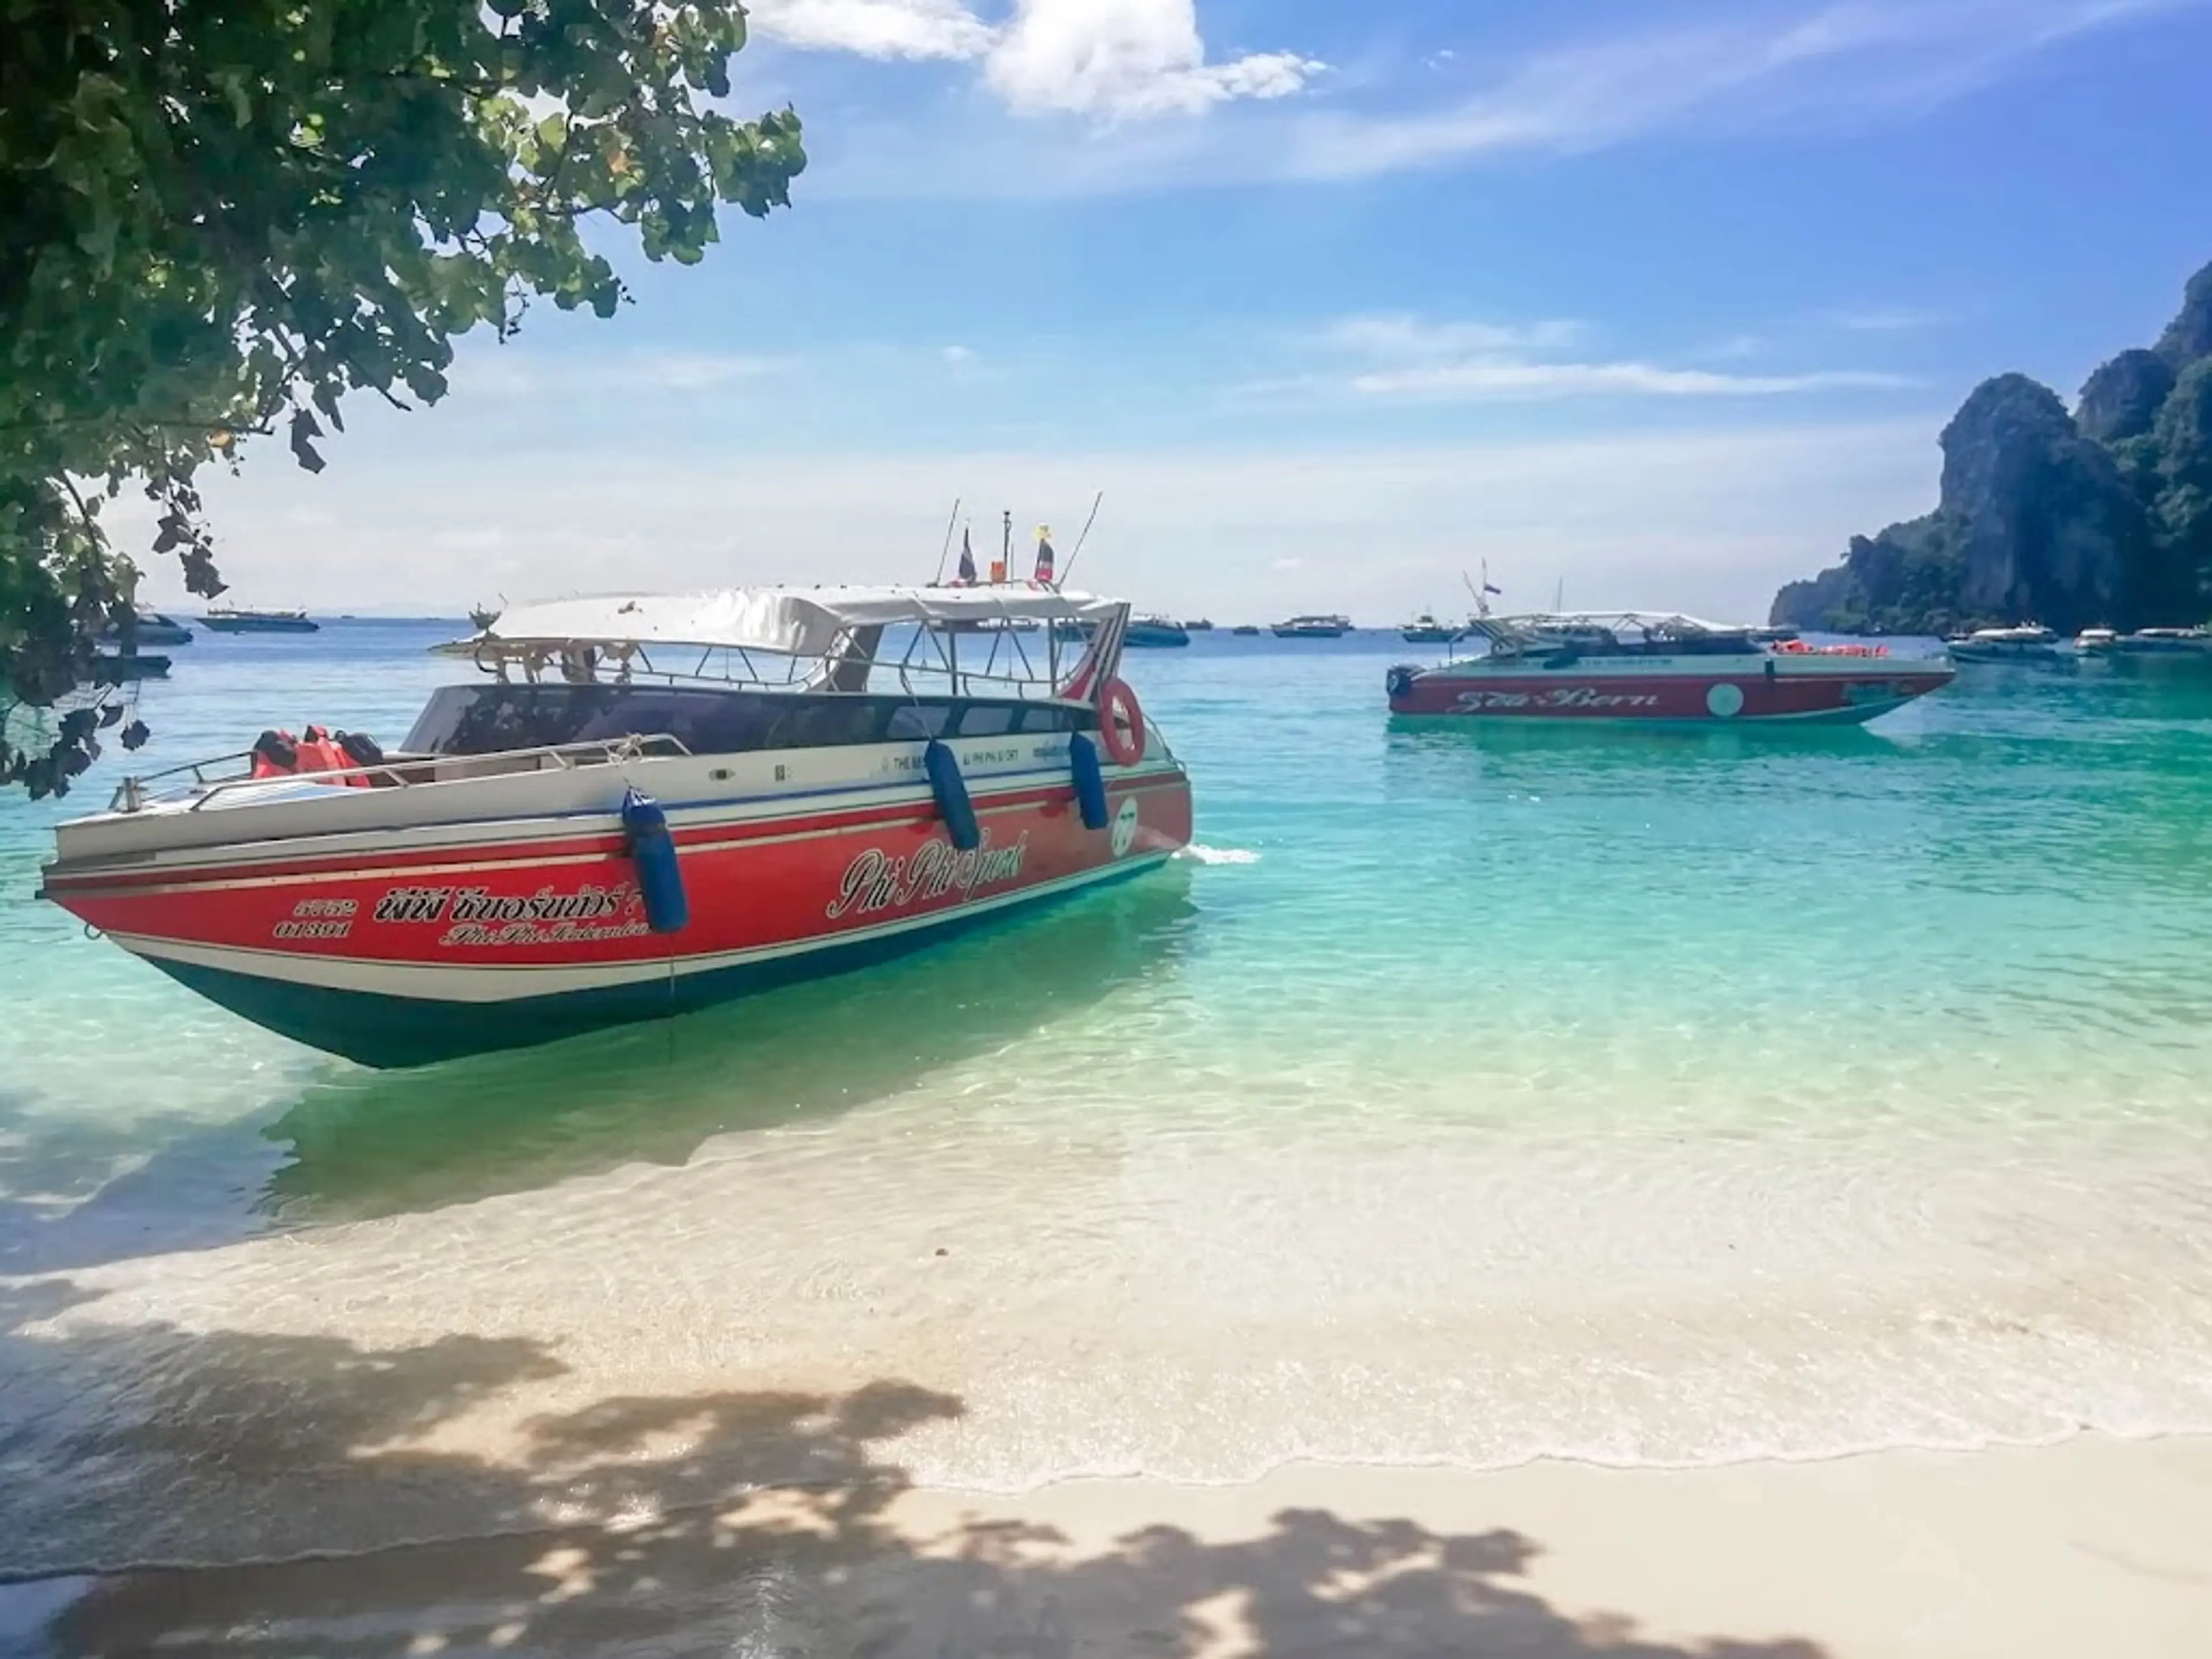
(945, 552)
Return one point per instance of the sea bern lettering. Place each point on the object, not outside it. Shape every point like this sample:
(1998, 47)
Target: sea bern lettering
(1577, 696)
(877, 881)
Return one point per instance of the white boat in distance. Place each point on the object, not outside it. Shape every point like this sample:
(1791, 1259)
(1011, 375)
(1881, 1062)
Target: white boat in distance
(2164, 642)
(1314, 627)
(2022, 643)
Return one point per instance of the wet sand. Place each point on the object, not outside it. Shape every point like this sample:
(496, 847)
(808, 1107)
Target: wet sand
(2094, 1546)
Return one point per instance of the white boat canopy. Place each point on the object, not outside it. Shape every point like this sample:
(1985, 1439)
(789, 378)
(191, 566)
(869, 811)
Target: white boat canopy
(796, 621)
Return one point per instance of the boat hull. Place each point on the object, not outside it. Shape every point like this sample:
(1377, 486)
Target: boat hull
(2006, 653)
(508, 934)
(262, 624)
(1789, 694)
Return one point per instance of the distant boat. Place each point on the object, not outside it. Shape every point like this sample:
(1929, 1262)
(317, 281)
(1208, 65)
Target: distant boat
(1201, 626)
(2025, 643)
(1426, 629)
(238, 619)
(2167, 642)
(1314, 627)
(1245, 631)
(1156, 632)
(119, 668)
(1652, 667)
(153, 629)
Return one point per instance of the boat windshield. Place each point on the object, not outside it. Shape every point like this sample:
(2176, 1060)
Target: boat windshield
(1628, 636)
(494, 717)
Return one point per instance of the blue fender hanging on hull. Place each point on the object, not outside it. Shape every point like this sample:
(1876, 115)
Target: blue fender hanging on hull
(951, 791)
(660, 878)
(1090, 780)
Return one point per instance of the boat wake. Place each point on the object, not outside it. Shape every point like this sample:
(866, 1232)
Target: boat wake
(1218, 854)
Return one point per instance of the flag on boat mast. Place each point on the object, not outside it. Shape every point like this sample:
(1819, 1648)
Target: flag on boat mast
(967, 558)
(1045, 554)
(1482, 594)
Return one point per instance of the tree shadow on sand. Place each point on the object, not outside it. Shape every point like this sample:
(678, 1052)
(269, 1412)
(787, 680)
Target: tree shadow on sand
(755, 1524)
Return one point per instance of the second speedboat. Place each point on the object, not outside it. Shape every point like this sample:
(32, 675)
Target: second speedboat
(1643, 666)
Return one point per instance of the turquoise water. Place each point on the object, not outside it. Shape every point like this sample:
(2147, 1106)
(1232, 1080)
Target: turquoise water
(1465, 1096)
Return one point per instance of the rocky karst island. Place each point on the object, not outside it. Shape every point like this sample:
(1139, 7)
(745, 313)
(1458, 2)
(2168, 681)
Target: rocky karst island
(2102, 516)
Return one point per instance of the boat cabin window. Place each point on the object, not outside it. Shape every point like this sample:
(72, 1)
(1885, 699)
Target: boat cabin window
(914, 721)
(988, 720)
(1601, 642)
(488, 719)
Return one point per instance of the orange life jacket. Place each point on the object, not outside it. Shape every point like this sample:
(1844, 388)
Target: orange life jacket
(321, 752)
(276, 755)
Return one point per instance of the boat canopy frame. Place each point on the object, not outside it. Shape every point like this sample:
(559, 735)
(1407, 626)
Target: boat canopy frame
(1555, 631)
(811, 640)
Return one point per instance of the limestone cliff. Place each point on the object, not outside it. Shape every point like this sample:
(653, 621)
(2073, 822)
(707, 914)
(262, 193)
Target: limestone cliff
(2103, 516)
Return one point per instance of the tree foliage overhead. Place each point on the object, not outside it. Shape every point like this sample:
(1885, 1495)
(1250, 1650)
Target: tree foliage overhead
(220, 217)
(2102, 516)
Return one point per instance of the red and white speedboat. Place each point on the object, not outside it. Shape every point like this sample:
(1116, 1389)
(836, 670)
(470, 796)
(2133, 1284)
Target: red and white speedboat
(1640, 665)
(648, 805)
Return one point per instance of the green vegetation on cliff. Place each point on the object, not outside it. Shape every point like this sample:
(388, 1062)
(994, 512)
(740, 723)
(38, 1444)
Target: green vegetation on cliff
(2099, 517)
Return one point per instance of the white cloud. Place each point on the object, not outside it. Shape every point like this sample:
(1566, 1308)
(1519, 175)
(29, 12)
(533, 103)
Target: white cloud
(1734, 348)
(1411, 336)
(1505, 379)
(1127, 58)
(490, 373)
(1790, 63)
(1782, 62)
(482, 539)
(1408, 359)
(1115, 59)
(874, 28)
(959, 356)
(1711, 521)
(1892, 319)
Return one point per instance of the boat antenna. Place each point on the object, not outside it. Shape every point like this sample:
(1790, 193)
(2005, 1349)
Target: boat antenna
(1482, 593)
(1084, 537)
(1559, 599)
(945, 552)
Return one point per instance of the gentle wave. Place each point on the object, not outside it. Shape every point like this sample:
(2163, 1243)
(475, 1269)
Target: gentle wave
(1200, 854)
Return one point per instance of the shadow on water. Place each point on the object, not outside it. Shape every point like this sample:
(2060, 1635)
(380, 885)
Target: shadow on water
(757, 1522)
(1537, 755)
(364, 1144)
(76, 1189)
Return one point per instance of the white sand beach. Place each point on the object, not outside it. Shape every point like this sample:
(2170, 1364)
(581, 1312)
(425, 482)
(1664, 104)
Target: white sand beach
(2095, 1546)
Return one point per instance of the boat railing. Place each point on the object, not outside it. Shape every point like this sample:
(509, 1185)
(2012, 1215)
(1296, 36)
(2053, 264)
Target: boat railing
(925, 661)
(134, 793)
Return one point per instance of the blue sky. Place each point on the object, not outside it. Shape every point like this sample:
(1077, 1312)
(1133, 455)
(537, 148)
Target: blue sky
(1333, 298)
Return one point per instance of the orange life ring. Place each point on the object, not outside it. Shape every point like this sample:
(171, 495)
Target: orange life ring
(1121, 723)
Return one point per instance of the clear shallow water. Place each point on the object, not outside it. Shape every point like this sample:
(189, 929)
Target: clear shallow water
(1470, 1097)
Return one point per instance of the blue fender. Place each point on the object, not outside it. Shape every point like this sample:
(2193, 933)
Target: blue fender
(660, 878)
(1090, 780)
(951, 791)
